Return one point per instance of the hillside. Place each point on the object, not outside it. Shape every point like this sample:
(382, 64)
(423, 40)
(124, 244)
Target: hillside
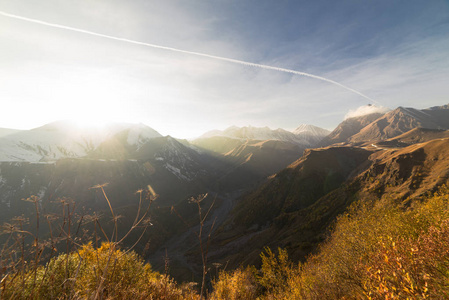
(400, 121)
(257, 153)
(348, 128)
(260, 217)
(414, 136)
(315, 174)
(295, 208)
(377, 127)
(375, 250)
(270, 192)
(256, 160)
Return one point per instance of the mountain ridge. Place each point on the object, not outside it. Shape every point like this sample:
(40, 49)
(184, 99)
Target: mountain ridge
(270, 192)
(304, 135)
(377, 127)
(64, 139)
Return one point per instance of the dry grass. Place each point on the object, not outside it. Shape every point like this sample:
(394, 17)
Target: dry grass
(377, 250)
(62, 266)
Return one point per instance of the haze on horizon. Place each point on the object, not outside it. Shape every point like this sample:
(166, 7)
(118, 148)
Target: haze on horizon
(393, 52)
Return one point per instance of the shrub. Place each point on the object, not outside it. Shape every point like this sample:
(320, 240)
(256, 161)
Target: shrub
(240, 284)
(381, 250)
(103, 273)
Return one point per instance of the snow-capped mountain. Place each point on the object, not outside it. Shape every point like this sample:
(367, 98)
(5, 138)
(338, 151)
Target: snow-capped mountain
(64, 139)
(62, 160)
(311, 130)
(7, 131)
(180, 160)
(306, 135)
(310, 133)
(140, 133)
(253, 133)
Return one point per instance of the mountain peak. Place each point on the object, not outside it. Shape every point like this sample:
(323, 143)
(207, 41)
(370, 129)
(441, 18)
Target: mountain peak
(62, 139)
(60, 125)
(311, 129)
(308, 136)
(139, 133)
(446, 106)
(366, 110)
(397, 122)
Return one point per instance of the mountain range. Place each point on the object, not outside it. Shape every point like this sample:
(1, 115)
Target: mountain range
(304, 135)
(273, 188)
(400, 154)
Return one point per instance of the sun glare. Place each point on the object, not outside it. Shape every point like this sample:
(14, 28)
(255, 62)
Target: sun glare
(91, 123)
(96, 104)
(92, 115)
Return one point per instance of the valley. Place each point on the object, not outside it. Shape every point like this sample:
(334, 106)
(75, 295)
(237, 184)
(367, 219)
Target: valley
(266, 188)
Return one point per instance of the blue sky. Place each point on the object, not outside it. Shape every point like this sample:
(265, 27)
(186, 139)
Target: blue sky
(395, 52)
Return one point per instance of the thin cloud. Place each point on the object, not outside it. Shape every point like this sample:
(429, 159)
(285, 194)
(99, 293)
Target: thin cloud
(235, 61)
(366, 110)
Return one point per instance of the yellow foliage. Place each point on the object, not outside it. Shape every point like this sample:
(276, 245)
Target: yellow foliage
(103, 273)
(237, 285)
(377, 250)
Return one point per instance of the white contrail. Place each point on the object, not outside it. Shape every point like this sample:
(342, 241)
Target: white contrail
(241, 62)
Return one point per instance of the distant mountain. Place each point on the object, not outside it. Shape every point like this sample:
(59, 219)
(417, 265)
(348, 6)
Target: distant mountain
(66, 140)
(258, 152)
(304, 135)
(256, 160)
(267, 192)
(218, 144)
(178, 157)
(139, 134)
(295, 208)
(400, 121)
(8, 131)
(400, 154)
(348, 128)
(162, 163)
(60, 160)
(380, 127)
(439, 113)
(310, 133)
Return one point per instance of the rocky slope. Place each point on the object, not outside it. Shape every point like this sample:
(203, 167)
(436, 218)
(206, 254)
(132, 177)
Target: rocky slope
(400, 121)
(349, 127)
(295, 208)
(377, 127)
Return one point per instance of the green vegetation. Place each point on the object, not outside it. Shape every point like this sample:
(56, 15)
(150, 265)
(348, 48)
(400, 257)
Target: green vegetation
(376, 250)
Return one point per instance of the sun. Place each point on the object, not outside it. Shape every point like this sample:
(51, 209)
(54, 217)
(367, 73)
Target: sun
(90, 116)
(95, 106)
(86, 122)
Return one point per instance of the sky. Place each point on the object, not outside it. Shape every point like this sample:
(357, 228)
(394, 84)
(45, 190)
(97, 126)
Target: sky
(386, 52)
